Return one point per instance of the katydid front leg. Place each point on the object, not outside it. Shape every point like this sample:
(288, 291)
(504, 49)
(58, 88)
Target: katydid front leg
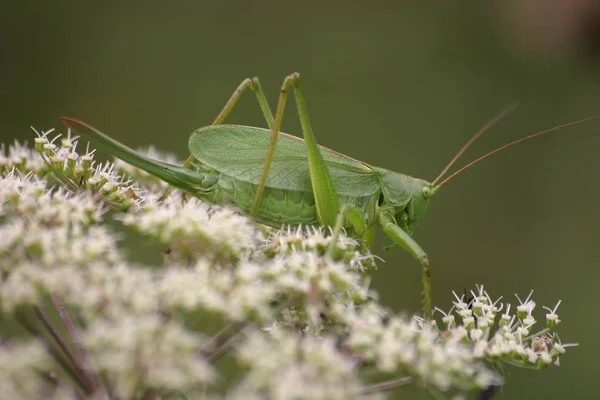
(251, 83)
(326, 197)
(402, 238)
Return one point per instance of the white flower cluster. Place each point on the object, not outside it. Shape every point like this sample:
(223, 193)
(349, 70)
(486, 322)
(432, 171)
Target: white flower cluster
(144, 354)
(292, 306)
(46, 236)
(286, 366)
(20, 364)
(511, 338)
(20, 157)
(319, 239)
(397, 345)
(233, 295)
(76, 171)
(192, 228)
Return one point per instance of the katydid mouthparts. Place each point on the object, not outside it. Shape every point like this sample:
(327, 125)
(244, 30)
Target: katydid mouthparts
(281, 179)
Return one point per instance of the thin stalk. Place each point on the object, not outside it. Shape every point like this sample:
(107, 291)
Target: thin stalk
(386, 385)
(223, 349)
(58, 356)
(218, 345)
(52, 379)
(222, 336)
(227, 335)
(83, 373)
(72, 331)
(68, 322)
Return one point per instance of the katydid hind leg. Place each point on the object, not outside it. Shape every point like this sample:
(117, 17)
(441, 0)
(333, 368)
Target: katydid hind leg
(326, 198)
(404, 240)
(254, 85)
(275, 129)
(233, 100)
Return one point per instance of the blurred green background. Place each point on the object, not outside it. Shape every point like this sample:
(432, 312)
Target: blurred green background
(401, 85)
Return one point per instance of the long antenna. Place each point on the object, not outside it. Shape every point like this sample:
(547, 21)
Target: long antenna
(476, 136)
(499, 149)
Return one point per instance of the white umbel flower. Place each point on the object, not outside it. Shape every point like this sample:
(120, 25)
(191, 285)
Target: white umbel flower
(292, 306)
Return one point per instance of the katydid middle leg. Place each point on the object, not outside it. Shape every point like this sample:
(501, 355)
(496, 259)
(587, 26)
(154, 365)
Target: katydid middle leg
(254, 85)
(326, 198)
(402, 238)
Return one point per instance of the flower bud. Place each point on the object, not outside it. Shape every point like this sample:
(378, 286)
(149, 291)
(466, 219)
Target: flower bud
(39, 143)
(86, 161)
(49, 149)
(72, 161)
(58, 163)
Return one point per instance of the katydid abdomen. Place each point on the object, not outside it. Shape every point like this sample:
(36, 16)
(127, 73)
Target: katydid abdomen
(278, 206)
(286, 207)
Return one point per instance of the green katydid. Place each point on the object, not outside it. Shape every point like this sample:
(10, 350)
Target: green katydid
(282, 179)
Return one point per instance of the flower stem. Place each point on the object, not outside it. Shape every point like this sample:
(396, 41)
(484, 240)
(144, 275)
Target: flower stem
(58, 356)
(79, 369)
(386, 385)
(72, 331)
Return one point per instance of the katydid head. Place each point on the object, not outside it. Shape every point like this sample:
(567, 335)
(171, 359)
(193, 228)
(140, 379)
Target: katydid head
(417, 206)
(405, 197)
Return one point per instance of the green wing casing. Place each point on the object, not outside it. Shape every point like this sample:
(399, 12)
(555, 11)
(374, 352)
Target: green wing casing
(238, 153)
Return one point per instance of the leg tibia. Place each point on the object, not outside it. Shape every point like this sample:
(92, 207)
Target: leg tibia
(326, 198)
(253, 84)
(404, 240)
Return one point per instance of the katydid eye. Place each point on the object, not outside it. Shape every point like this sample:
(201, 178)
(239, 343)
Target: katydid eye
(426, 191)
